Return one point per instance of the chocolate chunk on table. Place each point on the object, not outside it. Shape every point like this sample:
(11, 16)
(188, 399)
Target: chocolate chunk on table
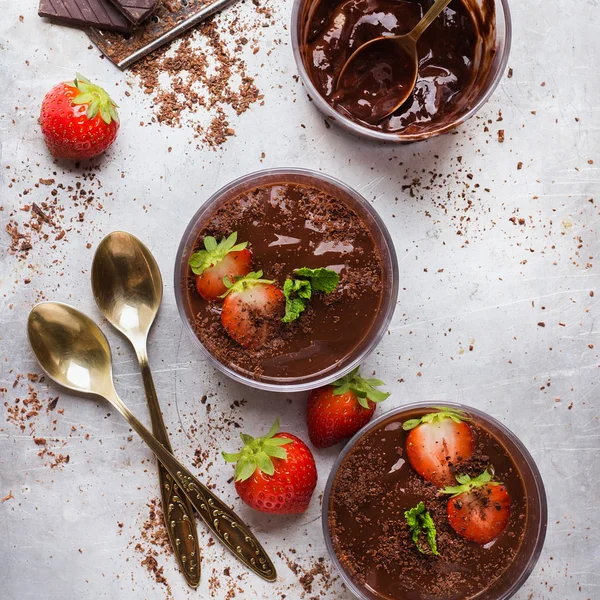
(89, 13)
(136, 10)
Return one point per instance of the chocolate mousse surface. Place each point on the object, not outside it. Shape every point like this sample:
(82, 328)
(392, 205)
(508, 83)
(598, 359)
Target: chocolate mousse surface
(373, 488)
(289, 226)
(455, 55)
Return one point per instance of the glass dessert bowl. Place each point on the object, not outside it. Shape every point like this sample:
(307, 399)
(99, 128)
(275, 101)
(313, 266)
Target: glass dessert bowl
(482, 496)
(462, 57)
(284, 229)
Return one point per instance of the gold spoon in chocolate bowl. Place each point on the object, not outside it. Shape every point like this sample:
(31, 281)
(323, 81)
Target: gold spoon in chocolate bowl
(380, 75)
(74, 352)
(127, 286)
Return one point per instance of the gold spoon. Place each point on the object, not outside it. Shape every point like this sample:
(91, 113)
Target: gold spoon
(389, 65)
(127, 286)
(74, 352)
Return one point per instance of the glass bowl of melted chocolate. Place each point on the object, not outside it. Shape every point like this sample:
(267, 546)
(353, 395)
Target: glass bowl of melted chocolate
(434, 503)
(286, 279)
(461, 59)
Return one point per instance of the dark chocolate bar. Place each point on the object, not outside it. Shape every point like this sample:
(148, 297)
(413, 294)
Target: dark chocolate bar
(88, 13)
(136, 10)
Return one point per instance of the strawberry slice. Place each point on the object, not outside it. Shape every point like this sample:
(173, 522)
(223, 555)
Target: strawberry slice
(216, 261)
(252, 309)
(437, 442)
(479, 508)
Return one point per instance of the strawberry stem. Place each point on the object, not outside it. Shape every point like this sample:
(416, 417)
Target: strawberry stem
(364, 389)
(257, 453)
(242, 283)
(96, 99)
(466, 484)
(213, 252)
(445, 412)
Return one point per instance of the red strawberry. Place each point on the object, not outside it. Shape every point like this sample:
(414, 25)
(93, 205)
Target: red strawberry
(216, 261)
(275, 473)
(78, 119)
(479, 508)
(437, 442)
(339, 410)
(252, 309)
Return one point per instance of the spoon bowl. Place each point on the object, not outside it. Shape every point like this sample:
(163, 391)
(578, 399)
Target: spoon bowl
(384, 71)
(71, 348)
(378, 78)
(127, 284)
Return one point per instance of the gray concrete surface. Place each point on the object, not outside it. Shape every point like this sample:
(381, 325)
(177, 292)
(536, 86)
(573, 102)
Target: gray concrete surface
(475, 287)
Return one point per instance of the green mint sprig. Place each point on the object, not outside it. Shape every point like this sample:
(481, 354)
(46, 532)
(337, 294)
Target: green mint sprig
(299, 289)
(421, 526)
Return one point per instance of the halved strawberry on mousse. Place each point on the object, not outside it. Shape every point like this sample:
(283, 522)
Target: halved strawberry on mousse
(252, 309)
(479, 508)
(216, 261)
(437, 443)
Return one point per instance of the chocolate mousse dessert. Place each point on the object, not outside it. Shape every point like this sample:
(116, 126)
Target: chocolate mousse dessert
(428, 505)
(455, 55)
(284, 283)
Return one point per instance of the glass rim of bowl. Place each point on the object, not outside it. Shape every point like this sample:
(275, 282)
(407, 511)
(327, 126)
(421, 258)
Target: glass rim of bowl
(540, 489)
(366, 132)
(373, 337)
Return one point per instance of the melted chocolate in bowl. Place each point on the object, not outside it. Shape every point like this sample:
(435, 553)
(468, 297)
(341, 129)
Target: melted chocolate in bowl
(455, 56)
(291, 223)
(375, 484)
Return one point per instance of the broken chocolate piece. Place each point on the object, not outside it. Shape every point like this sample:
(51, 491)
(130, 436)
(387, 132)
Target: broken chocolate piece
(93, 13)
(136, 11)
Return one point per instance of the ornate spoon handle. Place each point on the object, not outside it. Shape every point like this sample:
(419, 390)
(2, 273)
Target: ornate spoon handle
(178, 512)
(229, 529)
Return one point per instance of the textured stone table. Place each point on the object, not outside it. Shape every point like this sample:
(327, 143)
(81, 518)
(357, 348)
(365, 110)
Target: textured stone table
(498, 248)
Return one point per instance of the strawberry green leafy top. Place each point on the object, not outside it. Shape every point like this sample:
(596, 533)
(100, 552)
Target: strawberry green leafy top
(257, 453)
(467, 484)
(239, 284)
(96, 98)
(213, 252)
(363, 388)
(445, 412)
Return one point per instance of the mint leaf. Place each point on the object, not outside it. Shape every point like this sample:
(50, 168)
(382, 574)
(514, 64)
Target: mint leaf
(429, 528)
(297, 293)
(321, 279)
(421, 525)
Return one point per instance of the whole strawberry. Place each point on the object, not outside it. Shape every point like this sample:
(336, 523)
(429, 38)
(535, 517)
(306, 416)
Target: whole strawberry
(339, 410)
(275, 473)
(78, 119)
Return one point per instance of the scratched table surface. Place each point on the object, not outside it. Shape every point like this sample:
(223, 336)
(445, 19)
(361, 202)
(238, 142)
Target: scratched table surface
(496, 231)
